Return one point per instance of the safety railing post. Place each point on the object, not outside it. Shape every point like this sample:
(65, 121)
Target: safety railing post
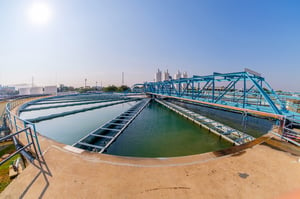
(24, 123)
(13, 120)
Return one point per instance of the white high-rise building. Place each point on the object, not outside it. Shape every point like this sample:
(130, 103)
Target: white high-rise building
(166, 76)
(177, 75)
(184, 75)
(158, 76)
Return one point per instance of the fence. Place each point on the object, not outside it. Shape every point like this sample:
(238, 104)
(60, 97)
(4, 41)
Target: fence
(15, 122)
(23, 149)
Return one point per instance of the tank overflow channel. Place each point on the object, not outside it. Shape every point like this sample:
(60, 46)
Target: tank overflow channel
(101, 138)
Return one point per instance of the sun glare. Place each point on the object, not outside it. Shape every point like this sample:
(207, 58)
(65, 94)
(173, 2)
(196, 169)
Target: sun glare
(39, 13)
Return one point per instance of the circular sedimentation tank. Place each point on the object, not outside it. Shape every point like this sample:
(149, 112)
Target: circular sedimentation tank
(155, 132)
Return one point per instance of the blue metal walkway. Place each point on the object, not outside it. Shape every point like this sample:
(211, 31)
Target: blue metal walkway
(101, 138)
(232, 135)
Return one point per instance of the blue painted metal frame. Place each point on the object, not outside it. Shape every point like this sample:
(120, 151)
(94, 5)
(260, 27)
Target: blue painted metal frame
(239, 89)
(15, 121)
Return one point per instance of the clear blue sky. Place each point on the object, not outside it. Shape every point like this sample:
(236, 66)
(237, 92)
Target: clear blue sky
(98, 40)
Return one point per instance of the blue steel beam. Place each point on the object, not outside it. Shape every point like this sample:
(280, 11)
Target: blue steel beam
(266, 96)
(282, 105)
(187, 88)
(228, 87)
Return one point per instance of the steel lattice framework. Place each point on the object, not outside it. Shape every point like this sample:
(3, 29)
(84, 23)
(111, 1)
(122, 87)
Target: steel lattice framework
(245, 90)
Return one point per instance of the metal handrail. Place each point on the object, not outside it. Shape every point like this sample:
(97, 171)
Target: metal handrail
(21, 149)
(13, 122)
(285, 138)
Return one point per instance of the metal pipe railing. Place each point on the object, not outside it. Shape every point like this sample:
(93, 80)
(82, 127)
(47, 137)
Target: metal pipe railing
(20, 148)
(15, 120)
(285, 138)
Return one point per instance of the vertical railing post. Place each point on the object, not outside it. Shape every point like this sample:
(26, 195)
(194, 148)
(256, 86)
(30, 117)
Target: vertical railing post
(245, 87)
(15, 122)
(36, 138)
(24, 123)
(193, 89)
(260, 98)
(213, 90)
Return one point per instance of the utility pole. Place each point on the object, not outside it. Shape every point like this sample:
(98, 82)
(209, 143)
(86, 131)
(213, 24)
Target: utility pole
(96, 85)
(85, 82)
(122, 78)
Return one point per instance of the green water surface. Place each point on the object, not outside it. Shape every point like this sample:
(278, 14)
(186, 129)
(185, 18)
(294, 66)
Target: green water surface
(160, 132)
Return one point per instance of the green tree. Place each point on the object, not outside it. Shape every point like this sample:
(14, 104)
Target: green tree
(111, 88)
(124, 88)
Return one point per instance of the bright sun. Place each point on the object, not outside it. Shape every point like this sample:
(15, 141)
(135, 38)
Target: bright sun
(39, 13)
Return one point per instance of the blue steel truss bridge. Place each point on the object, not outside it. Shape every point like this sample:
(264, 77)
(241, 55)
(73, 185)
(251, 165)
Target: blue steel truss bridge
(245, 91)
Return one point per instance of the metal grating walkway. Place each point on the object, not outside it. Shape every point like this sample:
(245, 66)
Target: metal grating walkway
(101, 138)
(230, 134)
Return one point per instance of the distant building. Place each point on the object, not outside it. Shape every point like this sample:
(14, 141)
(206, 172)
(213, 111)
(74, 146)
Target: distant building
(7, 90)
(185, 75)
(158, 76)
(24, 91)
(166, 76)
(177, 75)
(51, 90)
(48, 90)
(18, 86)
(36, 91)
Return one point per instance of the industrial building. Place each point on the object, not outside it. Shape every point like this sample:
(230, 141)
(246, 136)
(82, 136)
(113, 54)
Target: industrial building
(49, 90)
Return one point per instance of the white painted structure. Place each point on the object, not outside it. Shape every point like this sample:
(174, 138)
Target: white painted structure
(49, 90)
(52, 90)
(36, 90)
(24, 91)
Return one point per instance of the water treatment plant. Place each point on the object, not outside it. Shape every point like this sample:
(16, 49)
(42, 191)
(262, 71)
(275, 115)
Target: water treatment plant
(194, 119)
(226, 109)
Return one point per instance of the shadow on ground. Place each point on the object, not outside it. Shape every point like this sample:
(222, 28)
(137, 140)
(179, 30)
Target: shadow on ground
(44, 173)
